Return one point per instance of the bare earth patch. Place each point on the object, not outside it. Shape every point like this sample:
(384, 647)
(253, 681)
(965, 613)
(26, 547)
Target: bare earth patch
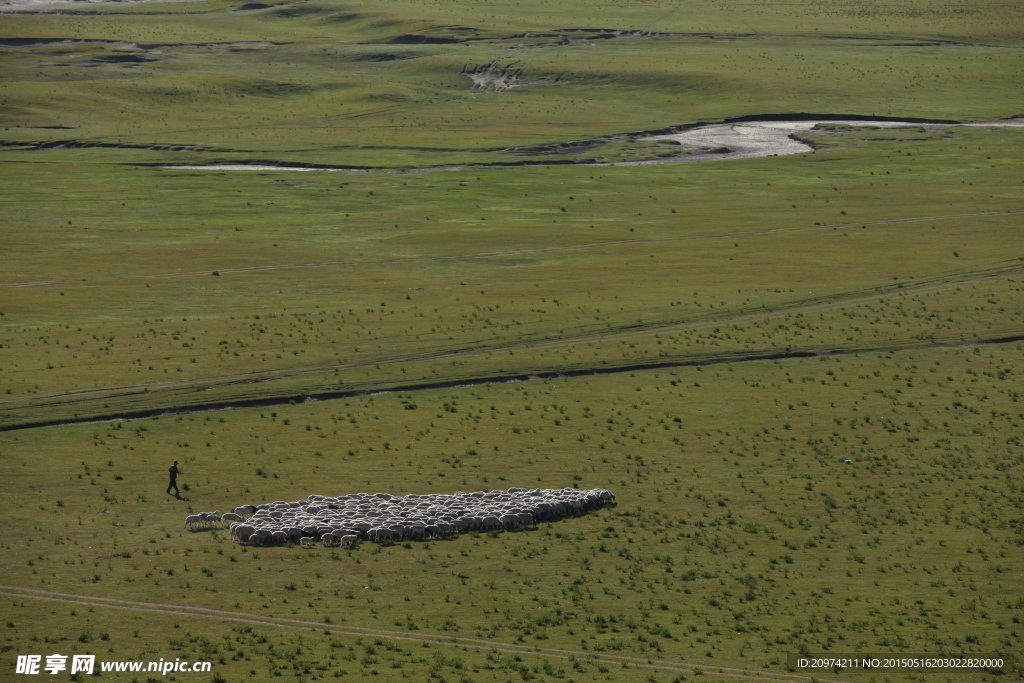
(729, 140)
(776, 138)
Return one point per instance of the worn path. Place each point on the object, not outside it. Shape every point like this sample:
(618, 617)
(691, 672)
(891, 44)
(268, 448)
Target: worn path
(490, 645)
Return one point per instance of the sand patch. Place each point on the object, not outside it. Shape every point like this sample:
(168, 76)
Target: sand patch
(746, 140)
(777, 138)
(251, 167)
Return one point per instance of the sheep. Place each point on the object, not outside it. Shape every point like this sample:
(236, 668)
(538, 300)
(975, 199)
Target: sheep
(210, 518)
(328, 539)
(307, 541)
(193, 520)
(379, 534)
(385, 517)
(349, 540)
(509, 521)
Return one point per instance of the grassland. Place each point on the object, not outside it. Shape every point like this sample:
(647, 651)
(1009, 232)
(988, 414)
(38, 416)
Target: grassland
(800, 375)
(741, 531)
(448, 275)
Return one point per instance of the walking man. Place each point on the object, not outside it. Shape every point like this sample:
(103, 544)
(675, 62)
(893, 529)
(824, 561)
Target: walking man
(173, 472)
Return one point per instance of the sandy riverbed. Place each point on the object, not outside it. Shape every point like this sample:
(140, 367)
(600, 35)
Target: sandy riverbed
(772, 138)
(743, 140)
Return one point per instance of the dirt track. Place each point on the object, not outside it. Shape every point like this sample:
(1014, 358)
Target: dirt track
(251, 378)
(491, 645)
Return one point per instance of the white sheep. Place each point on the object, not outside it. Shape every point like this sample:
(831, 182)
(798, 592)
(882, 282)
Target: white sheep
(384, 517)
(380, 535)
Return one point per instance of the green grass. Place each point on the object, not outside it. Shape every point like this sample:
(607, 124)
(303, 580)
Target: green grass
(740, 533)
(667, 296)
(308, 88)
(106, 305)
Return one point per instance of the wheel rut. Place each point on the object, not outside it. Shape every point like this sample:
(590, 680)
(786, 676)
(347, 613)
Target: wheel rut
(818, 305)
(491, 645)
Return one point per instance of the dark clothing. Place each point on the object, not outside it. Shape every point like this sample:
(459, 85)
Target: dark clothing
(173, 472)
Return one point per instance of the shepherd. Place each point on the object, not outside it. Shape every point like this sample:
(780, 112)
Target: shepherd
(173, 472)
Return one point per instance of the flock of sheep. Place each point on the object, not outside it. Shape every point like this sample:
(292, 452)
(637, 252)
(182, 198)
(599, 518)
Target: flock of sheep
(382, 517)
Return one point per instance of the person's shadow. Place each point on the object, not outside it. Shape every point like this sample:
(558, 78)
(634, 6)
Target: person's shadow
(177, 496)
